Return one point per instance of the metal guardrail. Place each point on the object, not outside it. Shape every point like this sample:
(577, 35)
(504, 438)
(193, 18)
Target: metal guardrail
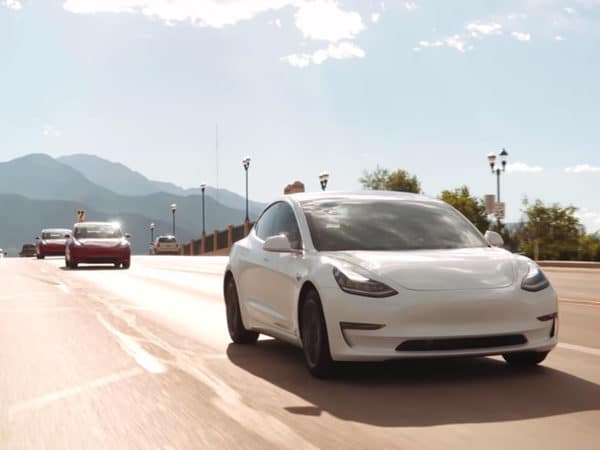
(571, 264)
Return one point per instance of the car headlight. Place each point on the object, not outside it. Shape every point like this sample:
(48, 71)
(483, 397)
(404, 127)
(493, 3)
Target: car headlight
(535, 280)
(354, 283)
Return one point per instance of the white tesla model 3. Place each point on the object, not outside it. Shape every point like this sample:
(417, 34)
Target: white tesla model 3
(376, 276)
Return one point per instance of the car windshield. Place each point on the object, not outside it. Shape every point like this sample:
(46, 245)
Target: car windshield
(98, 231)
(53, 234)
(392, 225)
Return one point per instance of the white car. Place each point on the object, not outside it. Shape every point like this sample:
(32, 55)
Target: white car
(377, 276)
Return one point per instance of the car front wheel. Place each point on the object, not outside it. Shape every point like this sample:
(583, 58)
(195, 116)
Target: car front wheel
(126, 264)
(238, 333)
(525, 359)
(315, 341)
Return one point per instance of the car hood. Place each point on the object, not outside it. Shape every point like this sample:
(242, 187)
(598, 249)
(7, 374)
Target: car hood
(437, 270)
(101, 242)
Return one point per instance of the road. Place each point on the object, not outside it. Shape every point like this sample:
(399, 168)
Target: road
(141, 359)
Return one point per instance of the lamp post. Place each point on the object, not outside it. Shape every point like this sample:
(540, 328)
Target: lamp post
(246, 163)
(324, 179)
(498, 168)
(152, 233)
(173, 209)
(203, 187)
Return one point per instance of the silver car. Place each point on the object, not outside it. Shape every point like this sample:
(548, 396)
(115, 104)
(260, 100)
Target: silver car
(165, 245)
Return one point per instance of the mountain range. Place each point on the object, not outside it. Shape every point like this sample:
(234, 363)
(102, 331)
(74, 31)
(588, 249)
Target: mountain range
(38, 191)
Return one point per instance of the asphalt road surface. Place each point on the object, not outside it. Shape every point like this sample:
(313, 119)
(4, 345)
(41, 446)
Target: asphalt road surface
(140, 359)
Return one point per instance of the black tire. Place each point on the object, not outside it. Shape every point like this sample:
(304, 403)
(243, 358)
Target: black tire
(238, 333)
(39, 256)
(525, 359)
(315, 340)
(126, 265)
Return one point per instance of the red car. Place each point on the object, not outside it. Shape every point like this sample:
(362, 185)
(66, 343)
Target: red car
(51, 242)
(97, 243)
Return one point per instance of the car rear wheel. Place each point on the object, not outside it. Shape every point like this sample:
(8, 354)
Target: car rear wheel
(525, 359)
(39, 256)
(238, 333)
(126, 264)
(315, 341)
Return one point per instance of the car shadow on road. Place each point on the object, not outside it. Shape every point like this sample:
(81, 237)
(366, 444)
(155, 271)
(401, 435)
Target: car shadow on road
(89, 268)
(417, 393)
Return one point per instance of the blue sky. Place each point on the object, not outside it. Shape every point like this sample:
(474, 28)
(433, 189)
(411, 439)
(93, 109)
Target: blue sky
(304, 86)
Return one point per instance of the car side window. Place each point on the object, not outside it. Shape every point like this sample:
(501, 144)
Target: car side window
(266, 225)
(279, 219)
(288, 225)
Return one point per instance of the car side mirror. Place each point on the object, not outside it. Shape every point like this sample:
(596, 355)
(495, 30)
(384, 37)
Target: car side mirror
(37, 238)
(67, 235)
(127, 236)
(494, 239)
(278, 244)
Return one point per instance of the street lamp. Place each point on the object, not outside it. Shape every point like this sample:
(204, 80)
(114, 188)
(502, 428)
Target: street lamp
(323, 179)
(173, 209)
(203, 187)
(152, 233)
(498, 168)
(246, 163)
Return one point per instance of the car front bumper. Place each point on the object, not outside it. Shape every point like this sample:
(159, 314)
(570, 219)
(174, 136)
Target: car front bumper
(99, 255)
(425, 324)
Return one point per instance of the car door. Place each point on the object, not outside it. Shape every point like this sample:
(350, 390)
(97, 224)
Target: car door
(253, 271)
(281, 272)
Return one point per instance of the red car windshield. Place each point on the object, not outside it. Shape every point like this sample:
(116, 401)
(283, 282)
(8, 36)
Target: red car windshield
(98, 232)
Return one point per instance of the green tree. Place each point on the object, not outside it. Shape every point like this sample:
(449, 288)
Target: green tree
(589, 247)
(471, 207)
(554, 230)
(383, 180)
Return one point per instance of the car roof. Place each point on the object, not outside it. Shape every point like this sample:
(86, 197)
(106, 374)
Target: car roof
(371, 195)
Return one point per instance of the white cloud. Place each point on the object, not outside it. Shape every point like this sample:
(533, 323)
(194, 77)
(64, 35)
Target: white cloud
(410, 6)
(559, 38)
(210, 13)
(50, 131)
(455, 42)
(323, 20)
(375, 17)
(591, 219)
(317, 20)
(478, 29)
(520, 167)
(583, 168)
(13, 4)
(342, 50)
(569, 10)
(523, 37)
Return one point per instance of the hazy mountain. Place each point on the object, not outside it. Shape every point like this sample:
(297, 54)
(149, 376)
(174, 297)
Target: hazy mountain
(37, 191)
(125, 181)
(39, 176)
(22, 219)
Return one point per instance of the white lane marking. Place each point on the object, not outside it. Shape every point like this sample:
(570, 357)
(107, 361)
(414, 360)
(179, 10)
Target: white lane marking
(44, 400)
(141, 356)
(580, 348)
(64, 288)
(580, 301)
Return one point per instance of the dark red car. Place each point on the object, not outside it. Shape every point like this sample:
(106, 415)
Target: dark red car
(51, 242)
(98, 243)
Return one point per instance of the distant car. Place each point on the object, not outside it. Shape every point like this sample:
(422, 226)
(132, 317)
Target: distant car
(51, 242)
(374, 276)
(97, 243)
(165, 245)
(27, 251)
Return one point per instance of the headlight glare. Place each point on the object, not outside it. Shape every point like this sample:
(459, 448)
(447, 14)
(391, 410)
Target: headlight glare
(535, 280)
(354, 283)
